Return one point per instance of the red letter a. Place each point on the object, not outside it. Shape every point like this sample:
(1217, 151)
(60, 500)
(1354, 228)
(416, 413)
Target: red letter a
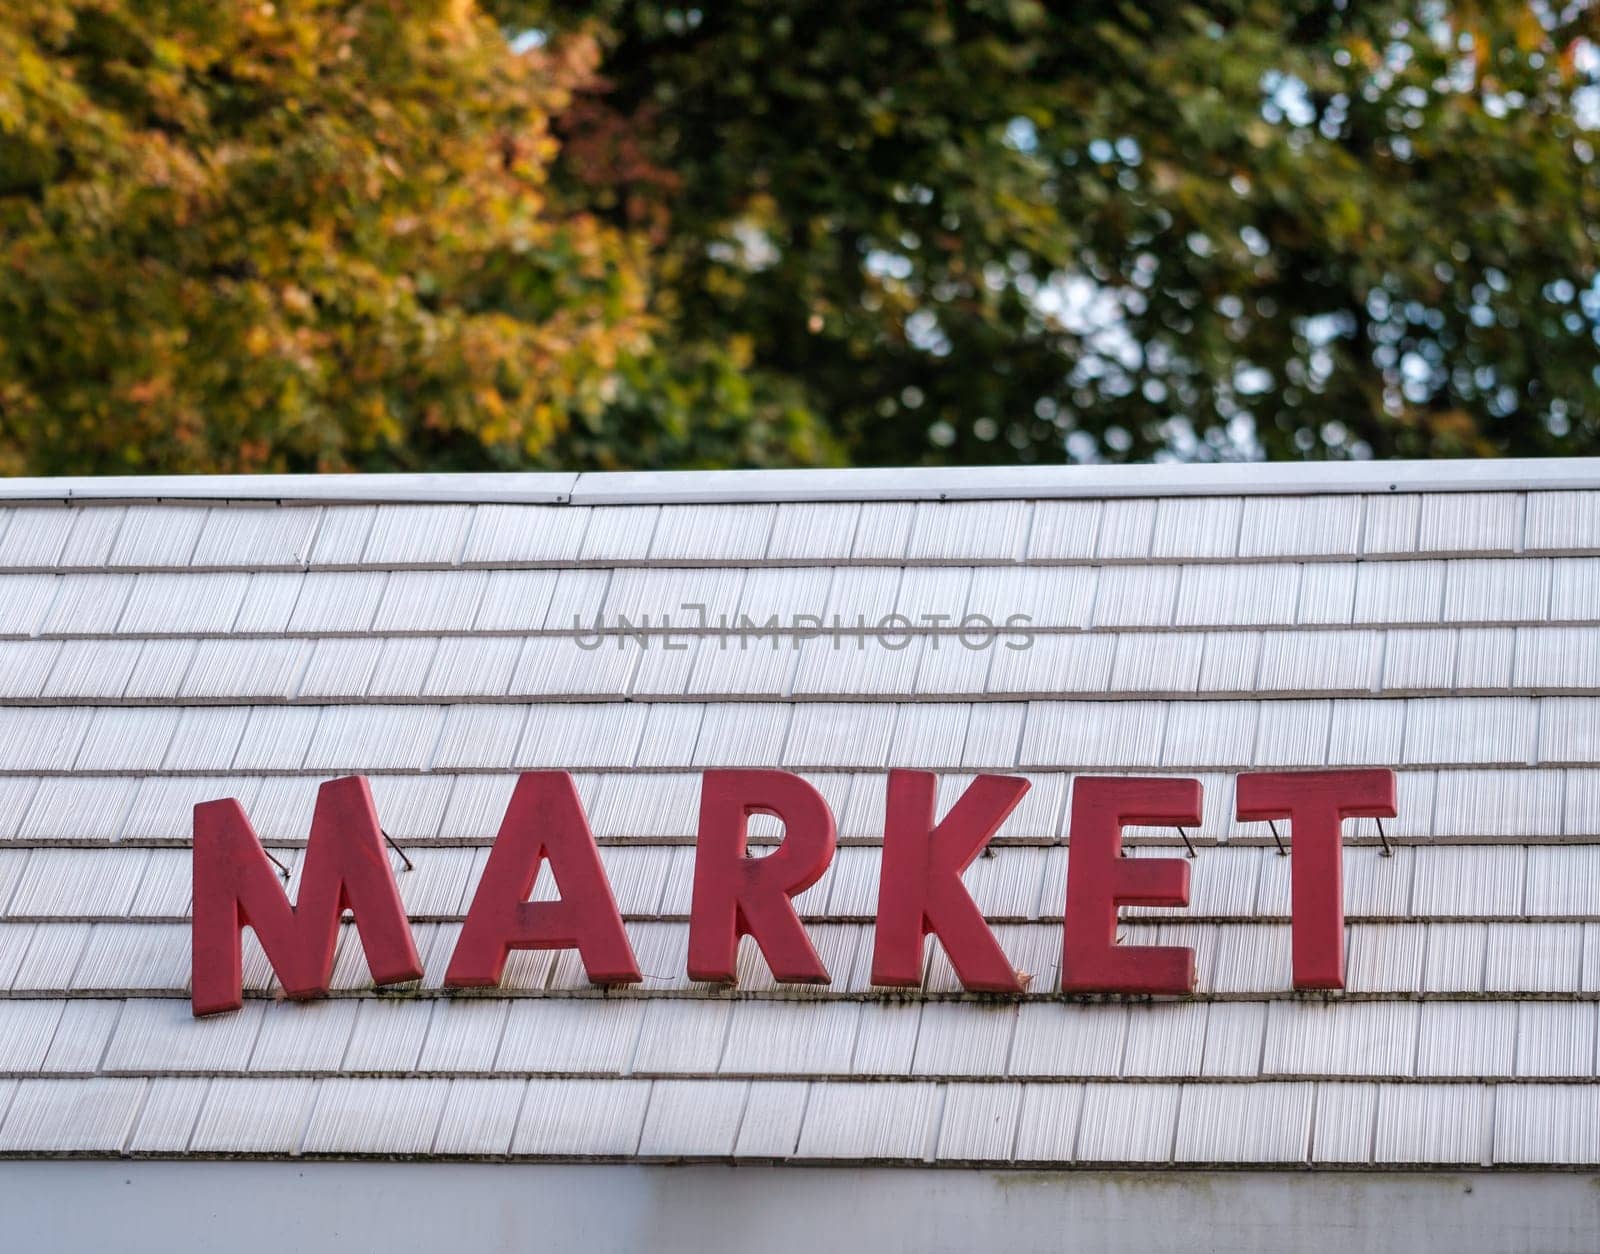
(737, 895)
(544, 820)
(1099, 880)
(346, 868)
(1316, 803)
(920, 889)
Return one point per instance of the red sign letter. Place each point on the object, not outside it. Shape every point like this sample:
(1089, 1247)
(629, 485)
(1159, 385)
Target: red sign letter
(346, 868)
(1099, 880)
(1315, 803)
(920, 889)
(544, 820)
(736, 895)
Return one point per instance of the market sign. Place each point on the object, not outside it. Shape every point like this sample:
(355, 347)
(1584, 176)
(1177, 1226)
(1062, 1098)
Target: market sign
(920, 894)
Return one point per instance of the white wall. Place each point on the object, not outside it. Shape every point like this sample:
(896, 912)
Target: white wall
(452, 1208)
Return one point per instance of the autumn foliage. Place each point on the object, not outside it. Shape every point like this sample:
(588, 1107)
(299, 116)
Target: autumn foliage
(499, 234)
(297, 236)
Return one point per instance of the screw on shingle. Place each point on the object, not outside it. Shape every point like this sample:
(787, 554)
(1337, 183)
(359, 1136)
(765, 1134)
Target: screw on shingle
(1186, 843)
(1383, 836)
(398, 850)
(1282, 852)
(282, 870)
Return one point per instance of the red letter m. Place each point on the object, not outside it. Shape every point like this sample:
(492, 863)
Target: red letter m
(345, 869)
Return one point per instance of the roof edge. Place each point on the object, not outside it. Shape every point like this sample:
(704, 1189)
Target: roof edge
(908, 484)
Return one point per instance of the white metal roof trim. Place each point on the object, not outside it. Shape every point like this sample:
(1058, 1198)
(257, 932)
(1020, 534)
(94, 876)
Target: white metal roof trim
(933, 483)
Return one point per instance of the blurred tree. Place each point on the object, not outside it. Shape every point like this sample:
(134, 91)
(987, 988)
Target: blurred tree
(997, 230)
(394, 234)
(304, 235)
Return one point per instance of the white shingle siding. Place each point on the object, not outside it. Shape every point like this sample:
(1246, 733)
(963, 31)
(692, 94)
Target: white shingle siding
(264, 538)
(159, 655)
